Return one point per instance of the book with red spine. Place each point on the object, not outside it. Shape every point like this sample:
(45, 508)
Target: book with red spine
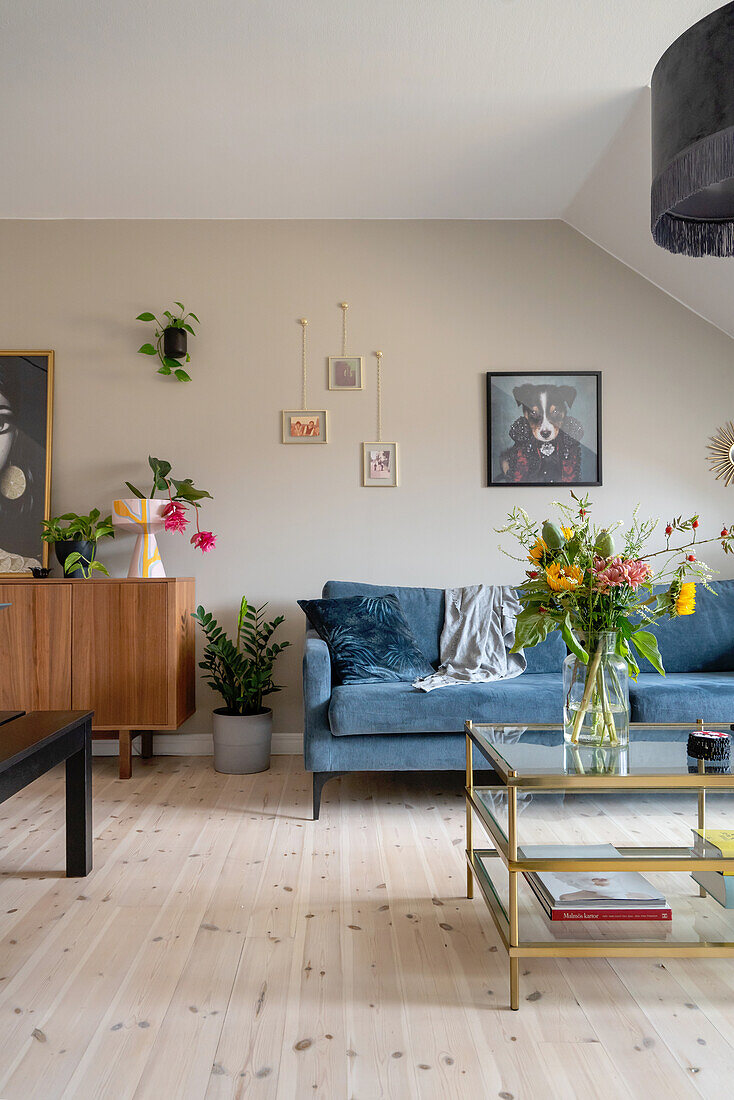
(564, 912)
(593, 895)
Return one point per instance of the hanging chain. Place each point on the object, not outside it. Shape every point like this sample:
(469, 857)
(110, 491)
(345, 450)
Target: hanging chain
(344, 307)
(303, 322)
(379, 396)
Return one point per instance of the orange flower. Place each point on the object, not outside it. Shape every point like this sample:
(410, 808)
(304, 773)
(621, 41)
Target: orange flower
(686, 601)
(537, 551)
(563, 578)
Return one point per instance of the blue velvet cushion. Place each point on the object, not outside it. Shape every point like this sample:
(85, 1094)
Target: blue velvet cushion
(682, 697)
(702, 642)
(424, 610)
(398, 708)
(369, 639)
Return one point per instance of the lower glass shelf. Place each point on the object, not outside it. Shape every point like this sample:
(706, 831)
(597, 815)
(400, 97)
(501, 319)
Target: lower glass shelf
(698, 924)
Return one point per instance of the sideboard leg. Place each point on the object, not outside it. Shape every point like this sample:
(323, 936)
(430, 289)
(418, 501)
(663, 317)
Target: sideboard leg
(126, 754)
(146, 744)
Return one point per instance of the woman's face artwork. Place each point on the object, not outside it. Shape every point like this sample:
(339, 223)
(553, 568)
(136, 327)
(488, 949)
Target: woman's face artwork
(7, 430)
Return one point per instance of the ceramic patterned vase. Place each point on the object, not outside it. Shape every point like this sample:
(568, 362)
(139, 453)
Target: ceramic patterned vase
(144, 518)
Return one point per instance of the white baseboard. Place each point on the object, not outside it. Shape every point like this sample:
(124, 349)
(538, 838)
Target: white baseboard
(198, 744)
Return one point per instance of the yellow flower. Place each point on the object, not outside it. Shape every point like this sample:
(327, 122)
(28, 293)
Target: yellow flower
(563, 578)
(567, 533)
(686, 602)
(537, 550)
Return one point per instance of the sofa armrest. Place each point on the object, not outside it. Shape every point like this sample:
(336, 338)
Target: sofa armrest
(316, 699)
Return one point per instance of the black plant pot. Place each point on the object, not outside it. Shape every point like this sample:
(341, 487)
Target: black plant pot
(74, 546)
(174, 342)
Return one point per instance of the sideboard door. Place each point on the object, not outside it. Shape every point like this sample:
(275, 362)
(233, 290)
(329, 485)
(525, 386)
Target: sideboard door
(35, 661)
(120, 653)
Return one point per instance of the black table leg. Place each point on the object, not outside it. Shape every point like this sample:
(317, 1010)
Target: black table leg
(79, 809)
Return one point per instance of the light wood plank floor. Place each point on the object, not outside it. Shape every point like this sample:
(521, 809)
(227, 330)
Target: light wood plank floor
(227, 946)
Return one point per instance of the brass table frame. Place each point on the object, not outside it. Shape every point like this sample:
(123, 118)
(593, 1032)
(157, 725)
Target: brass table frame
(644, 859)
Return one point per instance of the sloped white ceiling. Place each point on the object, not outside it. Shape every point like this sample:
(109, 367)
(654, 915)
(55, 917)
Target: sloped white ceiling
(612, 208)
(345, 109)
(316, 108)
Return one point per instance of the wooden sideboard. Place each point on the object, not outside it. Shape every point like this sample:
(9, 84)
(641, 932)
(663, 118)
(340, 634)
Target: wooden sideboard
(122, 648)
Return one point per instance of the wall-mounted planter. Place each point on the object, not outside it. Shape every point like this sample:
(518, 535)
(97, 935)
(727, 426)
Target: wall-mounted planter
(174, 342)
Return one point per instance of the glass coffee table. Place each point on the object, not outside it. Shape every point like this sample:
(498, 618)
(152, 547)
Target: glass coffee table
(647, 800)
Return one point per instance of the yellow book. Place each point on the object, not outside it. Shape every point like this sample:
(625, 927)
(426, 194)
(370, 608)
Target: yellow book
(721, 839)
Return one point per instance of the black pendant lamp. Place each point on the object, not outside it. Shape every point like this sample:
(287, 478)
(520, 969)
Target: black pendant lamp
(693, 140)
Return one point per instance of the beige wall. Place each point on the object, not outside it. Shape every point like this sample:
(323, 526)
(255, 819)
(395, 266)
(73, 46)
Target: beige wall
(445, 301)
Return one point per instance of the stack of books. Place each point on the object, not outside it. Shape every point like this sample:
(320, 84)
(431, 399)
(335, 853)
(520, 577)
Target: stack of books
(715, 844)
(592, 895)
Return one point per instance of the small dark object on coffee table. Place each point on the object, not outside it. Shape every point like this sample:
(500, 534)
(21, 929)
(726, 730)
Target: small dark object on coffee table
(707, 745)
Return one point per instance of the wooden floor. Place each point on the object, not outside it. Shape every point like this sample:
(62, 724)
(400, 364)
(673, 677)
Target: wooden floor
(227, 946)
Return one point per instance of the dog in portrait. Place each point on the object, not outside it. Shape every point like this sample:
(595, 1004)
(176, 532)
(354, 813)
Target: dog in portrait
(546, 445)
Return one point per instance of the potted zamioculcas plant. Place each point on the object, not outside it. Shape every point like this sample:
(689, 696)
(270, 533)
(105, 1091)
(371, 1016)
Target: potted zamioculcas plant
(75, 541)
(242, 672)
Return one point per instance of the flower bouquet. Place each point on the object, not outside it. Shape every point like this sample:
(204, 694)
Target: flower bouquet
(147, 515)
(181, 495)
(603, 602)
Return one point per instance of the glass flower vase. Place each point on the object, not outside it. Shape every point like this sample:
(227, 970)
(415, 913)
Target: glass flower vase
(596, 709)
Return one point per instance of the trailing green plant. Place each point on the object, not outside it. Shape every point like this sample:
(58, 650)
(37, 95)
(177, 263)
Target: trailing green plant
(85, 565)
(87, 528)
(169, 366)
(241, 670)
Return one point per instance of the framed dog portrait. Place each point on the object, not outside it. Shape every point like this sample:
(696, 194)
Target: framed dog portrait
(380, 465)
(544, 428)
(305, 426)
(26, 414)
(345, 372)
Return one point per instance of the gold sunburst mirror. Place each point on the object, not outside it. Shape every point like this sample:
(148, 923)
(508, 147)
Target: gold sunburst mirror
(722, 453)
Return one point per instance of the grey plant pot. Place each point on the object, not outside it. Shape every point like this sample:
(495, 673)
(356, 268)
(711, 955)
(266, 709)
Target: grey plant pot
(242, 742)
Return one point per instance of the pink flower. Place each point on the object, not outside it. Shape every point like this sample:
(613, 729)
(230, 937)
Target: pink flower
(619, 572)
(638, 571)
(174, 516)
(204, 541)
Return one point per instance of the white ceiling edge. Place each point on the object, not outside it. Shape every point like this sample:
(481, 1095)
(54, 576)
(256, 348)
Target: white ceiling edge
(612, 209)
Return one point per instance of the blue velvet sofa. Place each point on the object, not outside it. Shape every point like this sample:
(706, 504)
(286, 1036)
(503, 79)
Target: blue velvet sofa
(392, 727)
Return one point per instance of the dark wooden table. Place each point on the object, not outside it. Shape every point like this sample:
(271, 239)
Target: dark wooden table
(32, 744)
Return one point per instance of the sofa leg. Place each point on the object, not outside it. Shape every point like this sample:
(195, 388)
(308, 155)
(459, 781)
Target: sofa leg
(319, 778)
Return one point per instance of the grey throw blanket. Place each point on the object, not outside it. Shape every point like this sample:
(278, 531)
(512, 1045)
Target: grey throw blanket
(478, 634)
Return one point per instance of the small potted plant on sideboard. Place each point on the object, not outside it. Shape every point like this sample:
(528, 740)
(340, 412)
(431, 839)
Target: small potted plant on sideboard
(75, 541)
(242, 672)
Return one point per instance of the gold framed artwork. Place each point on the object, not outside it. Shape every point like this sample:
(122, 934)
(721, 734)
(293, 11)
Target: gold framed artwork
(346, 372)
(305, 426)
(26, 429)
(380, 465)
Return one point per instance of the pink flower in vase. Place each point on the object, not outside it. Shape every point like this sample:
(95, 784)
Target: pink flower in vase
(204, 541)
(619, 572)
(637, 571)
(174, 517)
